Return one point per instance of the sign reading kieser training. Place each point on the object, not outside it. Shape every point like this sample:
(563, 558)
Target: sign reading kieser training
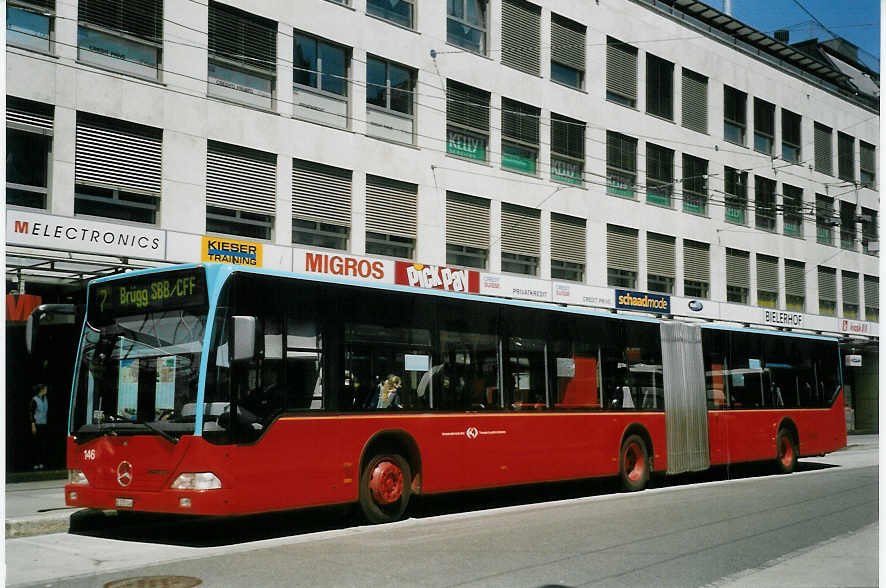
(218, 250)
(57, 232)
(437, 277)
(643, 301)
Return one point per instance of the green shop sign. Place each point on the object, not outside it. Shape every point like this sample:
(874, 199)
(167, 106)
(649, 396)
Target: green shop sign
(566, 171)
(465, 145)
(518, 159)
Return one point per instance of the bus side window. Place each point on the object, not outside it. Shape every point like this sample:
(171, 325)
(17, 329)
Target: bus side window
(304, 374)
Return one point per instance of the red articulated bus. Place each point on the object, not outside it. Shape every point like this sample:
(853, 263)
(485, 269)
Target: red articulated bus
(222, 390)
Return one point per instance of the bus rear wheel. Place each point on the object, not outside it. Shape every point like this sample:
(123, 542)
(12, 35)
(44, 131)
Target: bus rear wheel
(385, 488)
(786, 446)
(634, 464)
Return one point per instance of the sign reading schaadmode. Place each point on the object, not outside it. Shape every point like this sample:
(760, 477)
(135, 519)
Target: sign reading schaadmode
(643, 301)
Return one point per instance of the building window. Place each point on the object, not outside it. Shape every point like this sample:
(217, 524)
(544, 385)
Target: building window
(738, 272)
(391, 217)
(790, 136)
(872, 298)
(792, 205)
(567, 150)
(520, 239)
(827, 291)
(847, 225)
(846, 157)
(567, 51)
(241, 190)
(467, 121)
(621, 73)
(521, 36)
(28, 152)
(390, 100)
(321, 205)
(621, 257)
(764, 203)
(850, 294)
(695, 184)
(735, 115)
(621, 164)
(735, 182)
(242, 56)
(399, 12)
(659, 87)
(659, 174)
(466, 24)
(695, 101)
(867, 155)
(519, 136)
(767, 281)
(568, 246)
(320, 80)
(825, 220)
(795, 285)
(824, 158)
(126, 36)
(696, 269)
(870, 234)
(117, 169)
(661, 263)
(467, 230)
(764, 126)
(29, 24)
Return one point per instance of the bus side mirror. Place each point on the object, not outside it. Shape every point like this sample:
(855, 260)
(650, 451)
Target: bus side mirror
(246, 340)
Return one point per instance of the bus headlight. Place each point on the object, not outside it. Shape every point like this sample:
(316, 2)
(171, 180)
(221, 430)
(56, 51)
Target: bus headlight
(77, 477)
(197, 481)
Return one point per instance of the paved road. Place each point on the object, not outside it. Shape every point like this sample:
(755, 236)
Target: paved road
(814, 528)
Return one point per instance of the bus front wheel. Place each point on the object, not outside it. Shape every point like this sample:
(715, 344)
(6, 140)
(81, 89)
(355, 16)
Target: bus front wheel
(634, 460)
(385, 488)
(786, 445)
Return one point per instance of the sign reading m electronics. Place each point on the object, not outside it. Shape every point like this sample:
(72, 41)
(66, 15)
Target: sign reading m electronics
(68, 234)
(628, 300)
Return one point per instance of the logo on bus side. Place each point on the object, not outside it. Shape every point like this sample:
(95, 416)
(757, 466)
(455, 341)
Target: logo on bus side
(472, 432)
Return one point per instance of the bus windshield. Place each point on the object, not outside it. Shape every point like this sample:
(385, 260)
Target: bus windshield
(140, 356)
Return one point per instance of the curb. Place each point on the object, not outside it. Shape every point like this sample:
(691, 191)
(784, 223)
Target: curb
(57, 522)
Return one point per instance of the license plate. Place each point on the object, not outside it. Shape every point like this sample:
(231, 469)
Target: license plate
(124, 502)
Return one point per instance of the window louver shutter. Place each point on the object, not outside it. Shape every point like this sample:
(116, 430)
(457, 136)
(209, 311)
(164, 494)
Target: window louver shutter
(467, 220)
(519, 121)
(567, 42)
(391, 207)
(520, 35)
(118, 154)
(794, 278)
(695, 101)
(567, 136)
(47, 4)
(621, 248)
(240, 178)
(827, 284)
(29, 116)
(321, 193)
(568, 238)
(621, 68)
(661, 255)
(872, 291)
(867, 157)
(696, 261)
(467, 106)
(767, 273)
(242, 37)
(850, 287)
(764, 117)
(143, 19)
(738, 268)
(823, 150)
(520, 230)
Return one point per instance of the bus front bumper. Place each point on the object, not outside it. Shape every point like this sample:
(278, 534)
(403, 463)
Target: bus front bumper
(194, 502)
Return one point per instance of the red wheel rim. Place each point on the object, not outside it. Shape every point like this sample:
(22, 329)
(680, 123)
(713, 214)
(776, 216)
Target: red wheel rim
(386, 482)
(634, 462)
(787, 452)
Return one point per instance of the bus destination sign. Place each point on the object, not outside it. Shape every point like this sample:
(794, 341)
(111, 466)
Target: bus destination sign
(148, 293)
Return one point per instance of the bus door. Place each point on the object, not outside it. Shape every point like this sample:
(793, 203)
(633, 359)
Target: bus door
(686, 412)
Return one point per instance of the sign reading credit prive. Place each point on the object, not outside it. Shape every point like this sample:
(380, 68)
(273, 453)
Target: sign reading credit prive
(218, 250)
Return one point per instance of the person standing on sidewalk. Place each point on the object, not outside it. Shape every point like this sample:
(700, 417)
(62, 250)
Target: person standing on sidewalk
(39, 430)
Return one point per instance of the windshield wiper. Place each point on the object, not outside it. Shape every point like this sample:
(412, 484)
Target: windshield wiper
(122, 419)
